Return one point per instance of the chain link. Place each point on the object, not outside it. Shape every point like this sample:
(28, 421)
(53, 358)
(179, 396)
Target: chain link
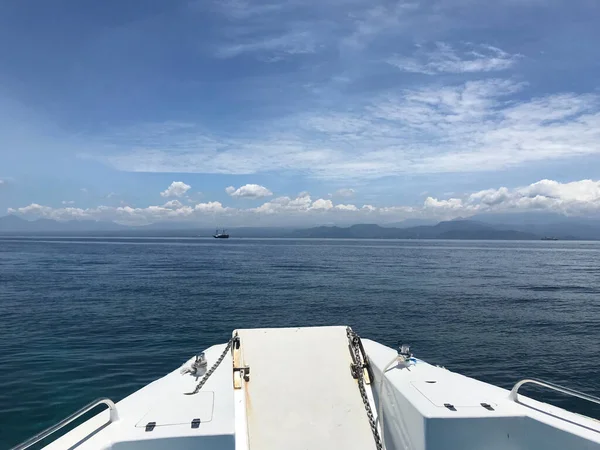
(354, 342)
(212, 369)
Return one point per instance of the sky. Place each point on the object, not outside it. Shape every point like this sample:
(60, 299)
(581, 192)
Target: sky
(236, 112)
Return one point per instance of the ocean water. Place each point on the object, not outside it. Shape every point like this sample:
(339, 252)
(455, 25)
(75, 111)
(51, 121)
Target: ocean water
(82, 318)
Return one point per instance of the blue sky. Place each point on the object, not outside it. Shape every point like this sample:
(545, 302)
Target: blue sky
(298, 111)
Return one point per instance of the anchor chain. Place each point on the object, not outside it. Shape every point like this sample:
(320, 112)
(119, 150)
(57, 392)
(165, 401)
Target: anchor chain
(358, 372)
(213, 368)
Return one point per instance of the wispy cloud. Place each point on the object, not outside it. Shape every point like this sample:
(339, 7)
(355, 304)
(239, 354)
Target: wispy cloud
(464, 127)
(272, 48)
(345, 91)
(242, 10)
(378, 20)
(578, 198)
(276, 31)
(344, 192)
(445, 58)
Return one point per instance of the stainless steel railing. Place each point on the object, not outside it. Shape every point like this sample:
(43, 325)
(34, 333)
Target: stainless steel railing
(114, 416)
(554, 387)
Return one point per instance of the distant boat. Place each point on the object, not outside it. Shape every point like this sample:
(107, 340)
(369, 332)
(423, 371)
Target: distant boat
(221, 234)
(547, 238)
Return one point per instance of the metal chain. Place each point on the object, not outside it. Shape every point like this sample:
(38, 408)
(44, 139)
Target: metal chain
(354, 342)
(212, 369)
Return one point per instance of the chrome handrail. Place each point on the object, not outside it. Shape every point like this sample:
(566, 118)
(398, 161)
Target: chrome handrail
(114, 416)
(555, 387)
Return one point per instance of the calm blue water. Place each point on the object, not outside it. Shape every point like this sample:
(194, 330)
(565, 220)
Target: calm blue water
(83, 318)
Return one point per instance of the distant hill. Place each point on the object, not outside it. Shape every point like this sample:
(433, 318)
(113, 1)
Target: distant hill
(486, 227)
(14, 224)
(365, 231)
(455, 229)
(408, 223)
(545, 224)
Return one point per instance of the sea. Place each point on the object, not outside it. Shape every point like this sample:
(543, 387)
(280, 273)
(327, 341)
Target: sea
(83, 317)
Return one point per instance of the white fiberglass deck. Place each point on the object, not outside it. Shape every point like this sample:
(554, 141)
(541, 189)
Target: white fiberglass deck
(301, 394)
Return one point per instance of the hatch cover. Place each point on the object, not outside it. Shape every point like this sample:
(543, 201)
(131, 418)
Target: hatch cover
(179, 409)
(442, 392)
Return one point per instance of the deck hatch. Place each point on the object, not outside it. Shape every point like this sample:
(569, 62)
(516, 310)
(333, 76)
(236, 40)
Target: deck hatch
(179, 409)
(447, 392)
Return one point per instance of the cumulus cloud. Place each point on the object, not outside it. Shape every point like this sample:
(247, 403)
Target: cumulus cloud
(286, 204)
(68, 202)
(322, 205)
(172, 210)
(176, 189)
(577, 198)
(348, 207)
(251, 191)
(452, 203)
(173, 204)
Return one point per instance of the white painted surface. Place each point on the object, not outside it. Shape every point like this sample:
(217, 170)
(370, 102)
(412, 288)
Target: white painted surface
(180, 410)
(301, 394)
(164, 401)
(415, 416)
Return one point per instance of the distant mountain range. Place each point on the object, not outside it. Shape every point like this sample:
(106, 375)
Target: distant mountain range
(459, 229)
(490, 226)
(16, 224)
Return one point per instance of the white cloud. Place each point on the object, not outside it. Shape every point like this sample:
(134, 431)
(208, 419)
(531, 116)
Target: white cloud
(575, 198)
(176, 189)
(386, 19)
(480, 125)
(452, 203)
(348, 207)
(286, 205)
(68, 202)
(578, 198)
(345, 192)
(211, 207)
(333, 110)
(273, 48)
(173, 204)
(445, 58)
(172, 210)
(251, 191)
(322, 205)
